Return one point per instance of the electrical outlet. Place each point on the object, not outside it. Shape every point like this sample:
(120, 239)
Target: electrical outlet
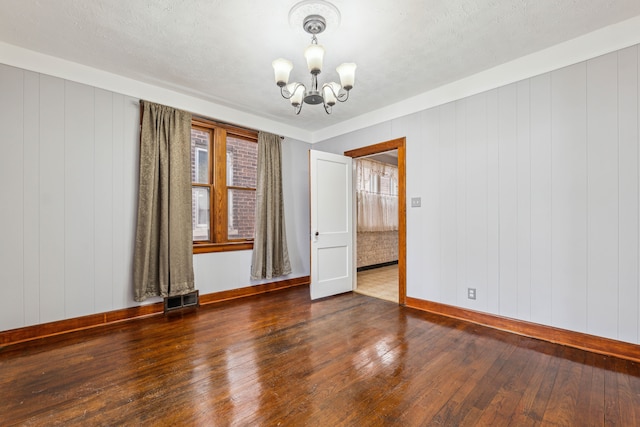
(416, 202)
(471, 293)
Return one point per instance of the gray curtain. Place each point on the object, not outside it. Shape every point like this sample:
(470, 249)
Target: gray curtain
(163, 257)
(270, 256)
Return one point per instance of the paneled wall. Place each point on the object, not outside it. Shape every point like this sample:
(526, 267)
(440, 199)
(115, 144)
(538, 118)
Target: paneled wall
(530, 195)
(68, 174)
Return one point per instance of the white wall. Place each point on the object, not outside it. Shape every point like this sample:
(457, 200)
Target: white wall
(68, 173)
(530, 195)
(216, 272)
(68, 167)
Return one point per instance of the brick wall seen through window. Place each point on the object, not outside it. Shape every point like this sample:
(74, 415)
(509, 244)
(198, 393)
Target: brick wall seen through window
(223, 172)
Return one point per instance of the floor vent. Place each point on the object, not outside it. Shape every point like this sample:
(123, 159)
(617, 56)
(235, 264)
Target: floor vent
(181, 301)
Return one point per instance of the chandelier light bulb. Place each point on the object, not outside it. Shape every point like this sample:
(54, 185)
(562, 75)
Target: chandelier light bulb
(297, 93)
(347, 73)
(314, 54)
(282, 68)
(330, 93)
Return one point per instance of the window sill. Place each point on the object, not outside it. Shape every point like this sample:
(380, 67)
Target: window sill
(203, 248)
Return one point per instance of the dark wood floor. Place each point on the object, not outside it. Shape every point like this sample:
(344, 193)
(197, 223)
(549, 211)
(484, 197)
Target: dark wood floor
(278, 359)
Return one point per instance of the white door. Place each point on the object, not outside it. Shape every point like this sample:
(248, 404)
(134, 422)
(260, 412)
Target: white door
(331, 224)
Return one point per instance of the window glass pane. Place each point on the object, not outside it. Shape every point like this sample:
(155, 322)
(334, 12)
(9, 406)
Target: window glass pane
(200, 213)
(200, 144)
(241, 206)
(242, 162)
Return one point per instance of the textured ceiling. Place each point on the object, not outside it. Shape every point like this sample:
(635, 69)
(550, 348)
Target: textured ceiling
(221, 51)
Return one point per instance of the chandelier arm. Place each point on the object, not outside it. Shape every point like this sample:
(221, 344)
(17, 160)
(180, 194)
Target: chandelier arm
(343, 96)
(328, 86)
(327, 108)
(298, 108)
(286, 94)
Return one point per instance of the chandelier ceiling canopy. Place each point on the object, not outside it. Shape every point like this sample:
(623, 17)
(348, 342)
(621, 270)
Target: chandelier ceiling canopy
(315, 15)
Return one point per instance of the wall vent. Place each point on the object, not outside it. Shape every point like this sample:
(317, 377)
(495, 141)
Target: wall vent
(177, 302)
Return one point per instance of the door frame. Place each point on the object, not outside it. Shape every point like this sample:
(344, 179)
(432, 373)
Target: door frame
(400, 145)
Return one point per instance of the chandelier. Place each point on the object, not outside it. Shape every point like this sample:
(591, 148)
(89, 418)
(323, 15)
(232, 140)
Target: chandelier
(330, 93)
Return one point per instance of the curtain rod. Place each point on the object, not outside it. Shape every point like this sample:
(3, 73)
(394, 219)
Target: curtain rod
(201, 117)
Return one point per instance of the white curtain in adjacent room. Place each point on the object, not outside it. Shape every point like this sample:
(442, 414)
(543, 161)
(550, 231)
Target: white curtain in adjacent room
(377, 195)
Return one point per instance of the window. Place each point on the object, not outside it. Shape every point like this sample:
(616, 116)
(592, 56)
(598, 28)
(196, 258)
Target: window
(376, 177)
(224, 162)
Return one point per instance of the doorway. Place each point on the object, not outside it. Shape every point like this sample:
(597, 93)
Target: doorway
(384, 274)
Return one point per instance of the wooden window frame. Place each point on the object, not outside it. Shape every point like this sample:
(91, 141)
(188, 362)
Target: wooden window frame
(218, 190)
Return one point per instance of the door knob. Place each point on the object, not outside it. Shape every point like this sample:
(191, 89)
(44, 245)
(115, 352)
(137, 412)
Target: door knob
(317, 233)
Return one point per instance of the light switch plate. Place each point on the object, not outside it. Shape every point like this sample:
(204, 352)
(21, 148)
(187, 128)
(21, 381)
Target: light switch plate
(416, 202)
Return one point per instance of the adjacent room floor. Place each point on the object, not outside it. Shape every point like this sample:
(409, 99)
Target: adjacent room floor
(379, 283)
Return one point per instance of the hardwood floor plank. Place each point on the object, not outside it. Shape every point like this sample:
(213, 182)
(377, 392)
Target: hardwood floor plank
(562, 407)
(619, 396)
(280, 359)
(503, 408)
(524, 412)
(590, 400)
